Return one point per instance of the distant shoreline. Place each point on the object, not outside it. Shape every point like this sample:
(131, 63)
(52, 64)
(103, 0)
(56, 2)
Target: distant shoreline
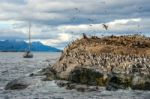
(22, 46)
(32, 51)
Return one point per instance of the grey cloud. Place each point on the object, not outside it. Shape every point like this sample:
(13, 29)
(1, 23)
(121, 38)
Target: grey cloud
(48, 15)
(79, 12)
(11, 34)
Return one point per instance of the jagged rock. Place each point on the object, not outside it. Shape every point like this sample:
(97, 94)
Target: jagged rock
(93, 88)
(71, 86)
(118, 81)
(81, 88)
(49, 73)
(86, 76)
(76, 86)
(18, 84)
(62, 83)
(140, 83)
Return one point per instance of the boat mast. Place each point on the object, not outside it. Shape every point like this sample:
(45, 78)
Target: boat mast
(29, 36)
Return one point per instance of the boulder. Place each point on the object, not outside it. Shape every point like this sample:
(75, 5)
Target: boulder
(19, 84)
(71, 86)
(62, 83)
(86, 76)
(81, 88)
(118, 81)
(140, 82)
(49, 74)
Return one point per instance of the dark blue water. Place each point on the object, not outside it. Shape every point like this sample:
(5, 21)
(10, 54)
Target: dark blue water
(12, 66)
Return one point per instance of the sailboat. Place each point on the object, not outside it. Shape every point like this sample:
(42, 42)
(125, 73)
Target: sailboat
(28, 53)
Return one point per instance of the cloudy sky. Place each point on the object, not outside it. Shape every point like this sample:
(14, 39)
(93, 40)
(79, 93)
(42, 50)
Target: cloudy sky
(57, 22)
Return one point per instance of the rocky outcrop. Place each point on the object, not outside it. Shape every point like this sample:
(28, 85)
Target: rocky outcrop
(79, 87)
(87, 76)
(19, 84)
(116, 62)
(140, 82)
(118, 81)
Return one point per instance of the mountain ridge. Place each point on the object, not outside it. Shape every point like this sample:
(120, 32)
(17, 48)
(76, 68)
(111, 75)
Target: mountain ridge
(21, 46)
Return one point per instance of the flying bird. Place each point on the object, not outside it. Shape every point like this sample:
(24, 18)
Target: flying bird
(105, 26)
(77, 10)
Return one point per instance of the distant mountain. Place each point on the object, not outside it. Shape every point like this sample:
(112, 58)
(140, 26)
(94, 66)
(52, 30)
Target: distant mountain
(20, 46)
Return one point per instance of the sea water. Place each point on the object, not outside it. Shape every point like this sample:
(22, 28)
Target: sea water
(13, 65)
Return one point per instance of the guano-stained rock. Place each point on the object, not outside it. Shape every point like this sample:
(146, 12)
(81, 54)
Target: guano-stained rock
(116, 62)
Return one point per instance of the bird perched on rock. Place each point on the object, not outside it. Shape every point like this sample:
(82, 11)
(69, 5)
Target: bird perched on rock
(105, 26)
(84, 36)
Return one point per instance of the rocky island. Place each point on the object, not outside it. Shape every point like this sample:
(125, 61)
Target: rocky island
(114, 62)
(111, 62)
